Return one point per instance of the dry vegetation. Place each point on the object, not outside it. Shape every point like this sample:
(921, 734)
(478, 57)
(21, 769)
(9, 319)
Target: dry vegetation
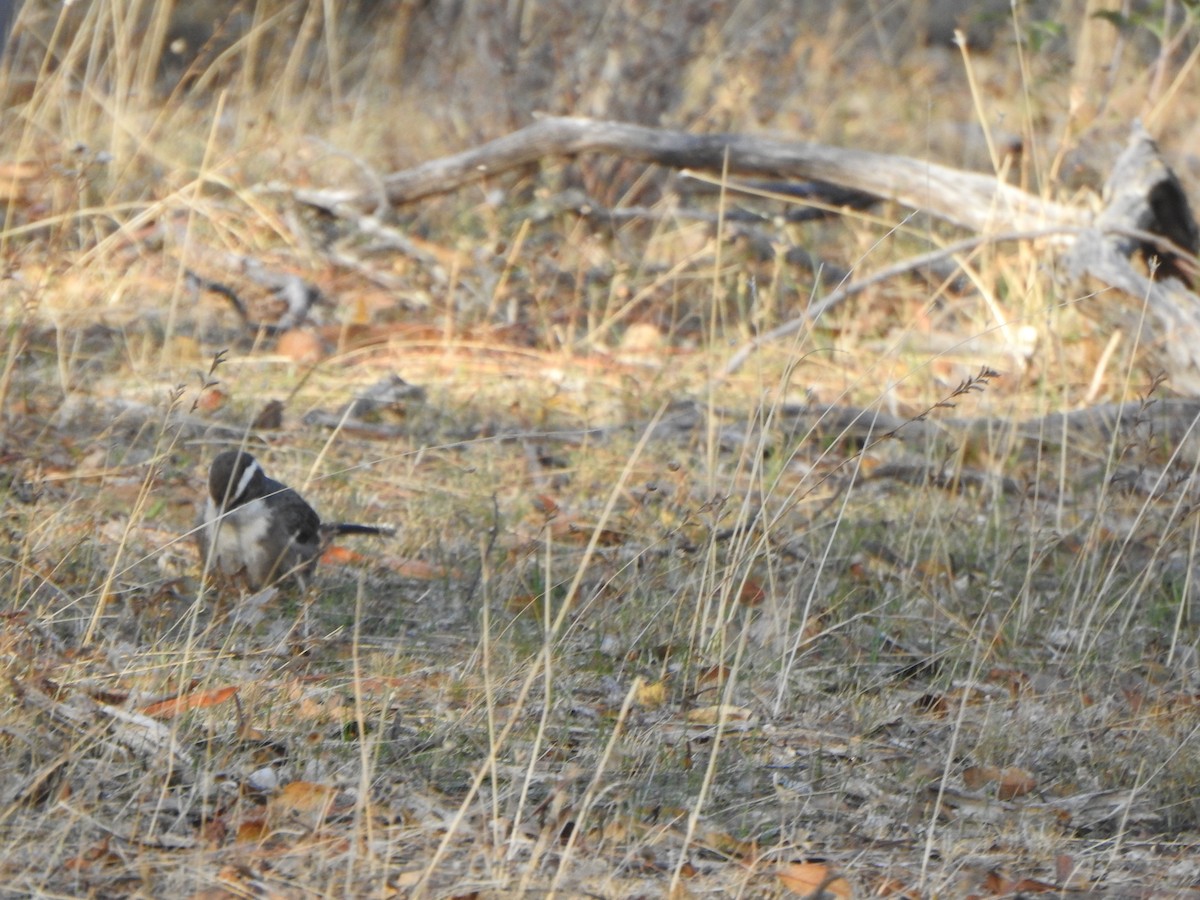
(643, 631)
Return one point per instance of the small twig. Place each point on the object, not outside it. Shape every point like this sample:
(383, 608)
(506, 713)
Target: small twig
(813, 312)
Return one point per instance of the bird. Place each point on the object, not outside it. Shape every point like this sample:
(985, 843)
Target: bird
(259, 529)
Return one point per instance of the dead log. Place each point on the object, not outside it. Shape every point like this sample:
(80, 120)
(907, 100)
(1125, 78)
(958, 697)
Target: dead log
(973, 201)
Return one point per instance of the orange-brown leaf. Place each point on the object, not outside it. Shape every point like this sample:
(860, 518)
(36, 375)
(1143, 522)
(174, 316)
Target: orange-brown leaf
(252, 831)
(306, 801)
(1015, 782)
(806, 878)
(168, 709)
(975, 777)
(300, 346)
(341, 556)
(752, 593)
(211, 399)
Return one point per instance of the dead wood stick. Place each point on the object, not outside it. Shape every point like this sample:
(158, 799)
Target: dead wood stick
(972, 200)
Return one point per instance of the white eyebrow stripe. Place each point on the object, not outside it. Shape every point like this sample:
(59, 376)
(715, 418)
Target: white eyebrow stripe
(247, 477)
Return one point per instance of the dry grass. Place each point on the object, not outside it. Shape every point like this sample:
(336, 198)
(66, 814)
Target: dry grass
(644, 632)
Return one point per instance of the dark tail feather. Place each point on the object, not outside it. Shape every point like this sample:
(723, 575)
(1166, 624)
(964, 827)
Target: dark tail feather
(333, 529)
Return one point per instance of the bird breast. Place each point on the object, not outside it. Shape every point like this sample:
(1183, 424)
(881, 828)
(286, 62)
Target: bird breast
(239, 540)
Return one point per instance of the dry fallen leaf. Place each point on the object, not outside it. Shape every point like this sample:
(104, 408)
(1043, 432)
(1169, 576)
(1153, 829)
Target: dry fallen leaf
(1015, 782)
(341, 556)
(808, 878)
(300, 346)
(252, 831)
(306, 801)
(650, 693)
(932, 704)
(94, 857)
(975, 777)
(752, 593)
(211, 399)
(168, 709)
(1011, 782)
(998, 884)
(710, 715)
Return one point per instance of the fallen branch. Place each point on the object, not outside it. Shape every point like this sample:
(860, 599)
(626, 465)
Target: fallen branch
(974, 201)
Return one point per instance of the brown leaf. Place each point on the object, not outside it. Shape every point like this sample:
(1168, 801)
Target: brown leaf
(214, 831)
(711, 715)
(995, 883)
(806, 879)
(94, 857)
(975, 777)
(215, 893)
(752, 593)
(211, 399)
(168, 709)
(304, 795)
(341, 556)
(934, 704)
(300, 346)
(1068, 872)
(714, 674)
(1015, 782)
(251, 831)
(998, 884)
(307, 801)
